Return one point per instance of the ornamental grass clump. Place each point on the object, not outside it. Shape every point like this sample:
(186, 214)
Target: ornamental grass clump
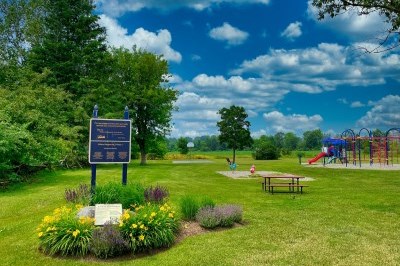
(157, 194)
(149, 226)
(189, 207)
(64, 234)
(107, 242)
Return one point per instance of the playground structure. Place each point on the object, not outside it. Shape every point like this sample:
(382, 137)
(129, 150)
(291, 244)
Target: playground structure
(364, 147)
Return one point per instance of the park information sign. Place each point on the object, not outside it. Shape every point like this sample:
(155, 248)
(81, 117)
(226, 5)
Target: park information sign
(110, 141)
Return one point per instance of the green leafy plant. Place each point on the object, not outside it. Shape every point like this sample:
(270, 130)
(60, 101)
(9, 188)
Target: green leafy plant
(130, 194)
(107, 242)
(149, 226)
(65, 234)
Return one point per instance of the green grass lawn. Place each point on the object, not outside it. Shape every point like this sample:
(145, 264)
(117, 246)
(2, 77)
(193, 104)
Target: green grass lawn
(344, 217)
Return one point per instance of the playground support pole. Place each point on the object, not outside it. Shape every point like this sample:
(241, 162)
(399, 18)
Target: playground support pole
(93, 165)
(125, 165)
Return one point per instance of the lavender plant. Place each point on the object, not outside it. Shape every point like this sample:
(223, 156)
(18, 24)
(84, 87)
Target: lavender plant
(224, 216)
(229, 214)
(107, 242)
(208, 218)
(157, 194)
(79, 195)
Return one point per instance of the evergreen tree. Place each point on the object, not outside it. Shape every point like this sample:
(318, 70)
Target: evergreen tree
(73, 46)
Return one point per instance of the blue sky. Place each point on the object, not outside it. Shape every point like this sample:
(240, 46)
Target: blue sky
(291, 72)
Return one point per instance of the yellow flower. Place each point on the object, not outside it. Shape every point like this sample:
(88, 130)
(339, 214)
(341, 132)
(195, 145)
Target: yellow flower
(121, 223)
(48, 219)
(171, 215)
(40, 234)
(126, 215)
(141, 237)
(162, 208)
(141, 226)
(134, 226)
(76, 232)
(86, 220)
(153, 214)
(78, 206)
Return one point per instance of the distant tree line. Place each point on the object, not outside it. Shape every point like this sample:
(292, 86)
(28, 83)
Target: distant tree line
(277, 144)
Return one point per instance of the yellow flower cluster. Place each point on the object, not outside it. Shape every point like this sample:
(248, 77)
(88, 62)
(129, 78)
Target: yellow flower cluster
(165, 208)
(86, 220)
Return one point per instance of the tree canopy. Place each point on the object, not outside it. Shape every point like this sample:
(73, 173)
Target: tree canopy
(234, 128)
(72, 46)
(139, 80)
(389, 9)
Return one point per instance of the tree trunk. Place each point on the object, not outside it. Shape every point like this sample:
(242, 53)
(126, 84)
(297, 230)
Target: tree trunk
(234, 156)
(142, 157)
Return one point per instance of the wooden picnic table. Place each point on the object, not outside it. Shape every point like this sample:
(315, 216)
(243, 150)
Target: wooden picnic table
(294, 181)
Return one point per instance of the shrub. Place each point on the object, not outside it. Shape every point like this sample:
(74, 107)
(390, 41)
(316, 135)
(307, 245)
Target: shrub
(107, 242)
(157, 194)
(149, 226)
(229, 214)
(266, 151)
(224, 216)
(79, 195)
(63, 233)
(207, 217)
(112, 192)
(189, 207)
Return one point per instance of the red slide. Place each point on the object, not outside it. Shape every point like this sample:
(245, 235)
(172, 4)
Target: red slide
(316, 158)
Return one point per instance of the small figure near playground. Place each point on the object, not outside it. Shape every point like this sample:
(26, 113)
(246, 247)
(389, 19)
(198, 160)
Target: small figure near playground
(330, 152)
(253, 169)
(232, 165)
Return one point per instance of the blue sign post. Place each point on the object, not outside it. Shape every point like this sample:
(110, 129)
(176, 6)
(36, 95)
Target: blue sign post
(110, 142)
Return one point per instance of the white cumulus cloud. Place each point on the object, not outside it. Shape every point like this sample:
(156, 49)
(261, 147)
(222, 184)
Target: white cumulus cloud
(159, 42)
(384, 114)
(232, 35)
(350, 24)
(292, 31)
(116, 8)
(292, 123)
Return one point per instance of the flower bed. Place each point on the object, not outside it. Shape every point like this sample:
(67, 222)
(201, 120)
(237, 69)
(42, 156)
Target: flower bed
(141, 229)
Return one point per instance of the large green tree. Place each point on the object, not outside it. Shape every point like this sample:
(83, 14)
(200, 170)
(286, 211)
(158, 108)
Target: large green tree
(140, 81)
(34, 129)
(312, 139)
(181, 144)
(234, 128)
(21, 25)
(72, 47)
(390, 9)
